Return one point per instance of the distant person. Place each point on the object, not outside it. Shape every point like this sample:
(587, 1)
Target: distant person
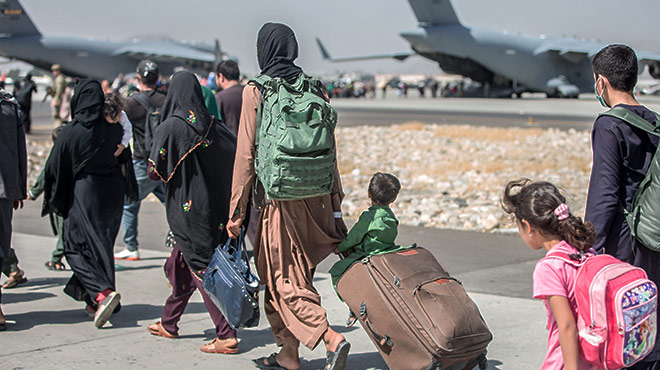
(230, 95)
(545, 222)
(296, 235)
(106, 86)
(209, 102)
(136, 108)
(58, 91)
(193, 154)
(621, 157)
(433, 86)
(84, 184)
(55, 263)
(24, 97)
(13, 174)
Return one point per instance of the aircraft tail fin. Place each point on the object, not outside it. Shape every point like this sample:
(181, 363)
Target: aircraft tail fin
(434, 12)
(324, 51)
(14, 21)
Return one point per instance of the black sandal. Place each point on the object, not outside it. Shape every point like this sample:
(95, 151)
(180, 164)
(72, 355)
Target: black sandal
(337, 360)
(268, 363)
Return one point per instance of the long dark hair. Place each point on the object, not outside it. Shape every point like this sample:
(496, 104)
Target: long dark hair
(535, 202)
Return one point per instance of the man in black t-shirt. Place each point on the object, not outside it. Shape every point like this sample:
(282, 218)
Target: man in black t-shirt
(622, 155)
(147, 76)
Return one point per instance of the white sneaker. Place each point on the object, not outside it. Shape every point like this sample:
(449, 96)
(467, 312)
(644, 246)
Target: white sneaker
(127, 255)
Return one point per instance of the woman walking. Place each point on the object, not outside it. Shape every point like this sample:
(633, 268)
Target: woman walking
(193, 153)
(294, 235)
(84, 184)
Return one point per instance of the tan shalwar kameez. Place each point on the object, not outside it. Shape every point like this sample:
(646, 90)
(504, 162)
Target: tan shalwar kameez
(292, 238)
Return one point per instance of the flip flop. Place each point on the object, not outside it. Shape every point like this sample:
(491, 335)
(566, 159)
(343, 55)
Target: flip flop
(337, 360)
(271, 363)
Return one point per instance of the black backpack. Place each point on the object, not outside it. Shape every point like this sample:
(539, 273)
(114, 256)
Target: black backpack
(151, 120)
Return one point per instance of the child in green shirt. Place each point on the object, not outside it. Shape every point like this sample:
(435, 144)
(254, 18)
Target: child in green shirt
(375, 230)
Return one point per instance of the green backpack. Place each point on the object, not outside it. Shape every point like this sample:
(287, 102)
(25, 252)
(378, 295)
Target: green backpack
(295, 149)
(644, 219)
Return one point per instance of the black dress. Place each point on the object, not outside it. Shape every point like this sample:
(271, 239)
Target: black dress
(90, 231)
(83, 183)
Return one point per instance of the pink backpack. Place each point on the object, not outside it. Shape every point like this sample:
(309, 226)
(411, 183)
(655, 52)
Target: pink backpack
(616, 309)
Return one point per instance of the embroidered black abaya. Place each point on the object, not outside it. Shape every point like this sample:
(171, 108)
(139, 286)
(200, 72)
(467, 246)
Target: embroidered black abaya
(84, 184)
(193, 152)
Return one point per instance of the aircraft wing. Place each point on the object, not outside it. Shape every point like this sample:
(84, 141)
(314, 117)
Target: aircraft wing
(166, 51)
(398, 56)
(570, 49)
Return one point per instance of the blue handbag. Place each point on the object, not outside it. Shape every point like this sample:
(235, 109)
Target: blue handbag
(232, 286)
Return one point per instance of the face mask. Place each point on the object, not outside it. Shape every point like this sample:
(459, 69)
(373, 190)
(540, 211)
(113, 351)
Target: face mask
(600, 97)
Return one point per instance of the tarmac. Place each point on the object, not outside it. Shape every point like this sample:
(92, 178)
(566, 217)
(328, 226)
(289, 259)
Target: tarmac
(49, 330)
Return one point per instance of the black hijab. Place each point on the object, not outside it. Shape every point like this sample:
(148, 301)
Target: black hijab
(79, 141)
(193, 153)
(277, 48)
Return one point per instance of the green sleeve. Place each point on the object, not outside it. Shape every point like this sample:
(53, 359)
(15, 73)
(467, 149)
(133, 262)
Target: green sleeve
(357, 233)
(38, 186)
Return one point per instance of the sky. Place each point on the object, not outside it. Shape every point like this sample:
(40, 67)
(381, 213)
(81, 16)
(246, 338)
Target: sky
(346, 27)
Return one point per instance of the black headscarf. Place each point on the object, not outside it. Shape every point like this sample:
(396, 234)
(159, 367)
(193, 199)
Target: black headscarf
(79, 141)
(193, 153)
(277, 48)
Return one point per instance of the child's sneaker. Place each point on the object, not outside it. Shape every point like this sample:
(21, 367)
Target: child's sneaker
(106, 308)
(127, 255)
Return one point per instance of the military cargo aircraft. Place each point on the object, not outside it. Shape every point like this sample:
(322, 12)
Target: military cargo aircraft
(20, 39)
(505, 64)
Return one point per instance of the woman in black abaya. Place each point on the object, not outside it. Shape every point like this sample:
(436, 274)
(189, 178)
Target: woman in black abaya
(84, 184)
(193, 153)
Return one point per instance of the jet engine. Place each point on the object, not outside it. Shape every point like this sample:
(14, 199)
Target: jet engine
(654, 70)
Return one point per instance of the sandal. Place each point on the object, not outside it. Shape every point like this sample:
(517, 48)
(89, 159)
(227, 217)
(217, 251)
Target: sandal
(268, 363)
(337, 360)
(55, 266)
(15, 279)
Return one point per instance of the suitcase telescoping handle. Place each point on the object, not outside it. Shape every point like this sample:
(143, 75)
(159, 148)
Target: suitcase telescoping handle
(383, 340)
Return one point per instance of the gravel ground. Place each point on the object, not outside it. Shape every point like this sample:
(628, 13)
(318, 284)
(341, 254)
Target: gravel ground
(451, 176)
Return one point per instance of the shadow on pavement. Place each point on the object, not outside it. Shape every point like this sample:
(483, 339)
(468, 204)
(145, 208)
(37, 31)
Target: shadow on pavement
(131, 314)
(120, 268)
(31, 319)
(16, 297)
(358, 361)
(41, 283)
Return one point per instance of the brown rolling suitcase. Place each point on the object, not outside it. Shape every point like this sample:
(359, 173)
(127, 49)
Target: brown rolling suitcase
(415, 313)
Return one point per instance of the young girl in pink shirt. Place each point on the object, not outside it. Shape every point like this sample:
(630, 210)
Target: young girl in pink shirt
(545, 222)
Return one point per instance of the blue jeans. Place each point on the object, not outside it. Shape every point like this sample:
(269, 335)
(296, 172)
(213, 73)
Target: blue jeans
(129, 222)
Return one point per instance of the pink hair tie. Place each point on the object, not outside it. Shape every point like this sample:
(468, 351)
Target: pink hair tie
(562, 212)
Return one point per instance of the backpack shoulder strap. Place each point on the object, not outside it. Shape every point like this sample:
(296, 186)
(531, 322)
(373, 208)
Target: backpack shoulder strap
(144, 101)
(635, 120)
(576, 260)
